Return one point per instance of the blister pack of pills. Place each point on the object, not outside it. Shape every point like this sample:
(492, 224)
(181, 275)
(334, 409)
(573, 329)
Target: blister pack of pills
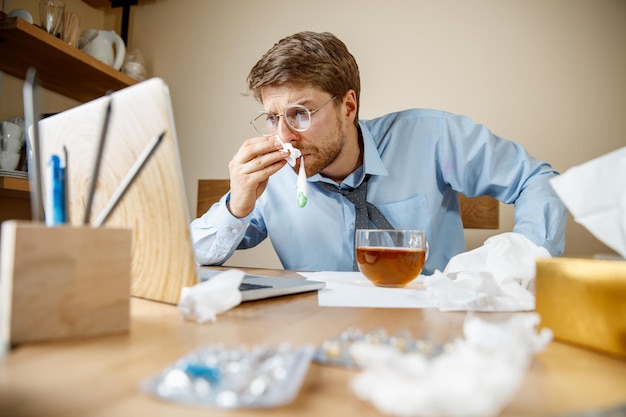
(223, 377)
(336, 350)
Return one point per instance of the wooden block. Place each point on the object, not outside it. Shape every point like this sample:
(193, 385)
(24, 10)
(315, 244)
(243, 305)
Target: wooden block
(63, 282)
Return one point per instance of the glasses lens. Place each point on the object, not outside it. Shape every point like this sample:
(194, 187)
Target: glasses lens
(298, 117)
(264, 123)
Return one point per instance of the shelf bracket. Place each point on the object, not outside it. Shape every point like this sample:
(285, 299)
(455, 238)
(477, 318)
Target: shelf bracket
(125, 4)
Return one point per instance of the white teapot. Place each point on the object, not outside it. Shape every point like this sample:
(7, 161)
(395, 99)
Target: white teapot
(104, 45)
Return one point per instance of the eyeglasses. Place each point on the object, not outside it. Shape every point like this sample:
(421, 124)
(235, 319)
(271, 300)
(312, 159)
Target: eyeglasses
(297, 117)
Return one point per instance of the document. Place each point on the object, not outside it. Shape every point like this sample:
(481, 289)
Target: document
(352, 289)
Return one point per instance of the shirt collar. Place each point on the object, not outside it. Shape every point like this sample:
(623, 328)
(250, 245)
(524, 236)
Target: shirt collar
(372, 164)
(371, 158)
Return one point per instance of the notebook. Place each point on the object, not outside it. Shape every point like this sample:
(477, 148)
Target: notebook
(155, 205)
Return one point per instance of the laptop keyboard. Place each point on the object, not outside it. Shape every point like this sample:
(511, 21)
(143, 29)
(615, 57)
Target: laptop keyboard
(250, 286)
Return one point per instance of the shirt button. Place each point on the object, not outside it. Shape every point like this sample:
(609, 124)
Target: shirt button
(234, 231)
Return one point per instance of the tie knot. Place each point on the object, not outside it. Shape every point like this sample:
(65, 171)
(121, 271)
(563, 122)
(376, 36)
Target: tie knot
(356, 196)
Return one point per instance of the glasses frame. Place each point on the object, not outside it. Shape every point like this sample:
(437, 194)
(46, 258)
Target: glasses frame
(284, 115)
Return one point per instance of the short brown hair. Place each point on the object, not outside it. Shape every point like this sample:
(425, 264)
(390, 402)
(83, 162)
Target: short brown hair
(314, 59)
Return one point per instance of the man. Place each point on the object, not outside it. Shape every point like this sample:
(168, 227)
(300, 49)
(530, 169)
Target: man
(410, 163)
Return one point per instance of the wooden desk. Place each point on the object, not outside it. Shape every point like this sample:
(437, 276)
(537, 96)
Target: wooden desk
(100, 376)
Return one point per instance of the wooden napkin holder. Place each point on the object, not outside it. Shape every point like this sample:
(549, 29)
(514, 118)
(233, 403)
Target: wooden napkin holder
(63, 282)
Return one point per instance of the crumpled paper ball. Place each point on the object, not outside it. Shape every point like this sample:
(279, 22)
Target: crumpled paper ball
(476, 377)
(498, 276)
(204, 301)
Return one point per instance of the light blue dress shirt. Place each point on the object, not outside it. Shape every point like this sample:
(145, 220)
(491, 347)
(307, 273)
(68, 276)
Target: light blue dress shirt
(418, 161)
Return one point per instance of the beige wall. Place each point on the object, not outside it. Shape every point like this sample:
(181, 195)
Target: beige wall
(548, 74)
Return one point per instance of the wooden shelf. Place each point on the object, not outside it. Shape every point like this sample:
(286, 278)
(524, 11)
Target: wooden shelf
(60, 67)
(14, 199)
(13, 184)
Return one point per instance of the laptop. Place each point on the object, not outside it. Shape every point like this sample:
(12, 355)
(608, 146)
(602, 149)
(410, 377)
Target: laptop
(258, 287)
(155, 206)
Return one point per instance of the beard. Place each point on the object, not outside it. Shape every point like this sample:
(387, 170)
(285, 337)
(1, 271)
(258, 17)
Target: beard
(320, 157)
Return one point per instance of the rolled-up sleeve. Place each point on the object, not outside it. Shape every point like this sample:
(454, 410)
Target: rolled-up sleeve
(477, 162)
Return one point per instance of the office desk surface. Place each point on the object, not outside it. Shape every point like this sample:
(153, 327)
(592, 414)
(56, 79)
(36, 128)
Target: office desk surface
(100, 376)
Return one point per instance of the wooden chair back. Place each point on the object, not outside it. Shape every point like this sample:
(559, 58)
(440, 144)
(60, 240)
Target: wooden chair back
(477, 213)
(480, 212)
(209, 192)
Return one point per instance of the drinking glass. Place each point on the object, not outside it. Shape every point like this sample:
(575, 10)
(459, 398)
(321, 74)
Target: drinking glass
(390, 258)
(51, 14)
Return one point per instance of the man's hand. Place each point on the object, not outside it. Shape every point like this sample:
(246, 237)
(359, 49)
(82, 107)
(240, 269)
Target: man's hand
(255, 161)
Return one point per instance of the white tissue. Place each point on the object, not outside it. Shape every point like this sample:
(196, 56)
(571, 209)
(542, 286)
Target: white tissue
(477, 376)
(206, 300)
(595, 194)
(294, 153)
(498, 276)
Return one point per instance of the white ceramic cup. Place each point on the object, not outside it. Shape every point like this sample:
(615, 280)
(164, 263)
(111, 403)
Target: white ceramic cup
(12, 130)
(12, 145)
(21, 13)
(9, 160)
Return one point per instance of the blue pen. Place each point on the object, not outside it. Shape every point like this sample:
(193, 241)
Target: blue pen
(55, 196)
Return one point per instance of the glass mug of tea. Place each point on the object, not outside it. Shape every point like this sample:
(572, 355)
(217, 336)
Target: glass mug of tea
(390, 258)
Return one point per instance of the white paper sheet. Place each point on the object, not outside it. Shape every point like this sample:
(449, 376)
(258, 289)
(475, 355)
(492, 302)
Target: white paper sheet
(352, 289)
(497, 276)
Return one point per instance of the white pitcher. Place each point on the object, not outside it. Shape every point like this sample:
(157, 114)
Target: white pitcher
(106, 46)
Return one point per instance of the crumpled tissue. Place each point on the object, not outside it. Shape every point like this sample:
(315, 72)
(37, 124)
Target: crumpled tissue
(477, 376)
(204, 301)
(294, 153)
(595, 194)
(498, 276)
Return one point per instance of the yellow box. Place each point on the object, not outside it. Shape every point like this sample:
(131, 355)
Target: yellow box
(583, 301)
(63, 282)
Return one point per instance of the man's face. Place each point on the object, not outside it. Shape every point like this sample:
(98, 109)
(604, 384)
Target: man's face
(323, 142)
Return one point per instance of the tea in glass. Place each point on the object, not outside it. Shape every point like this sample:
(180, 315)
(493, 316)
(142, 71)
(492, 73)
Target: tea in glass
(390, 258)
